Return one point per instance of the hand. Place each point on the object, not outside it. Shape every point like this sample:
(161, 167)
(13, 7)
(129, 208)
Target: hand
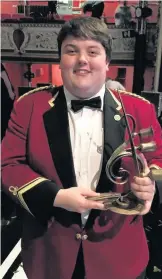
(144, 189)
(74, 199)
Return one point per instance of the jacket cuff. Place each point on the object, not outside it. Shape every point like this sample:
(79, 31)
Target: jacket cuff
(37, 197)
(159, 191)
(158, 195)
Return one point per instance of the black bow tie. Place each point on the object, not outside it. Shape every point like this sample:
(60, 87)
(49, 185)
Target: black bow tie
(77, 105)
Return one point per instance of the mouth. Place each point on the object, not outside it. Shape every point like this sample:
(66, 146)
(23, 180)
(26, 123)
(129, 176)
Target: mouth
(81, 72)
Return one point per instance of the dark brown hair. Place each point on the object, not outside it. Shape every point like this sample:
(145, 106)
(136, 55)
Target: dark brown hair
(86, 28)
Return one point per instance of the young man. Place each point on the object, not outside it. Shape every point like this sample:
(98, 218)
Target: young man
(54, 156)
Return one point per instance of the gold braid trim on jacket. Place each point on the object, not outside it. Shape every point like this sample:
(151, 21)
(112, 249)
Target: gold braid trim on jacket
(43, 88)
(133, 94)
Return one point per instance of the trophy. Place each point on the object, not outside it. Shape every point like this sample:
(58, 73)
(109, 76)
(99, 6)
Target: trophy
(127, 203)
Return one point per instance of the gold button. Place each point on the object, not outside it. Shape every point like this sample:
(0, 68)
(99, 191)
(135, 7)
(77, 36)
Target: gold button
(78, 236)
(84, 237)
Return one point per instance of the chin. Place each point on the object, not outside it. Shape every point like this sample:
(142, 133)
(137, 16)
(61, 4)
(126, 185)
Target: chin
(84, 89)
(85, 95)
(81, 90)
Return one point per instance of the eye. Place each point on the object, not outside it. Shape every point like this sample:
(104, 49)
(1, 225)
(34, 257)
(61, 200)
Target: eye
(71, 51)
(93, 52)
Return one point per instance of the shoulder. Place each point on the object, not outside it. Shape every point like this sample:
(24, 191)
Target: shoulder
(40, 98)
(34, 101)
(129, 97)
(43, 91)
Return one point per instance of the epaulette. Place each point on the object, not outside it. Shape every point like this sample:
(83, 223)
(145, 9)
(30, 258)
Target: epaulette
(134, 95)
(43, 88)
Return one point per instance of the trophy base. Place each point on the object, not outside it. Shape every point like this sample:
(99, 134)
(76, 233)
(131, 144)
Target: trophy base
(127, 206)
(133, 211)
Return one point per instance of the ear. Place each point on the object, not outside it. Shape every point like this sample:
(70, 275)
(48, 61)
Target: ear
(107, 66)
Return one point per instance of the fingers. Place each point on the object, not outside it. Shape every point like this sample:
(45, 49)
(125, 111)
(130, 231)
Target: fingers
(144, 196)
(146, 208)
(88, 204)
(146, 168)
(143, 185)
(74, 199)
(88, 192)
(144, 189)
(143, 181)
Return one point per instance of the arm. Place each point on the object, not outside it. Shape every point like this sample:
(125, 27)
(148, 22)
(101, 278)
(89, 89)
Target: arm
(37, 194)
(154, 159)
(145, 188)
(27, 187)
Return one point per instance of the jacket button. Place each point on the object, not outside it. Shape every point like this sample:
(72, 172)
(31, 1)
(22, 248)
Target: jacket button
(78, 236)
(84, 236)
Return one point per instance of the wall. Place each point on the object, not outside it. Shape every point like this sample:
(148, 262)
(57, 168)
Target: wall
(148, 77)
(109, 10)
(42, 73)
(56, 75)
(15, 72)
(113, 71)
(37, 3)
(8, 7)
(51, 73)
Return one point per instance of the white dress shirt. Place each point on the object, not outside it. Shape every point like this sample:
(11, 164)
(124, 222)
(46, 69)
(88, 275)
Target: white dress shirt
(86, 134)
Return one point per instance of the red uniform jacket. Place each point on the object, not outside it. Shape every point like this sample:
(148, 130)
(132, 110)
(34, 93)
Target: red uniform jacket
(37, 162)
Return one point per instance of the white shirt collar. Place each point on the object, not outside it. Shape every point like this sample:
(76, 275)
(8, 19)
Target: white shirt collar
(70, 97)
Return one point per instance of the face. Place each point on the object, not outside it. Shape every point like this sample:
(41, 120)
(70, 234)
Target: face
(83, 66)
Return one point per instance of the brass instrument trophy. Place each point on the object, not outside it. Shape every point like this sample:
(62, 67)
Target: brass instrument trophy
(127, 203)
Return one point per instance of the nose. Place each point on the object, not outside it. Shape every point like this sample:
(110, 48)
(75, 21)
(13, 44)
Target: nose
(82, 58)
